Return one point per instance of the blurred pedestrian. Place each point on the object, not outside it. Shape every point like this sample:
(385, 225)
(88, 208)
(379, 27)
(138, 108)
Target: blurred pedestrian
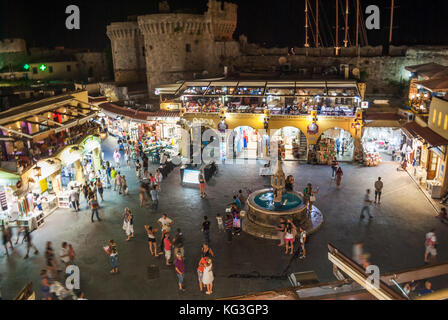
(219, 222)
(430, 246)
(64, 254)
(366, 206)
(29, 244)
(154, 197)
(206, 229)
(202, 185)
(178, 243)
(74, 198)
(6, 237)
(71, 253)
(281, 231)
(45, 285)
(339, 175)
(302, 238)
(229, 226)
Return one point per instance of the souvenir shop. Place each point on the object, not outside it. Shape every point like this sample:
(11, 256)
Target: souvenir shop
(9, 182)
(289, 142)
(160, 130)
(72, 174)
(91, 155)
(248, 143)
(382, 144)
(71, 165)
(341, 139)
(323, 151)
(116, 125)
(37, 198)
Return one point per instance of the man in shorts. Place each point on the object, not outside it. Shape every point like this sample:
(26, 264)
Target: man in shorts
(165, 223)
(378, 190)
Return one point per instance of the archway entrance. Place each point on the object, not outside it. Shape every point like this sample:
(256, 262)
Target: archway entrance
(336, 142)
(292, 143)
(245, 142)
(384, 143)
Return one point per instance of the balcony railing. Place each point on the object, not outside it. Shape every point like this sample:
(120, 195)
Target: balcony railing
(342, 111)
(48, 147)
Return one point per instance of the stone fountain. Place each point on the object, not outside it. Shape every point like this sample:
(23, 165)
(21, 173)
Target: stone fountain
(266, 206)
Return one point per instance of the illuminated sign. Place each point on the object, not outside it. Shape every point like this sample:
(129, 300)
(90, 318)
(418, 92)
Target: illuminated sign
(364, 104)
(191, 176)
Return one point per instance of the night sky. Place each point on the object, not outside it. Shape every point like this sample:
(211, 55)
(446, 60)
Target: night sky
(269, 22)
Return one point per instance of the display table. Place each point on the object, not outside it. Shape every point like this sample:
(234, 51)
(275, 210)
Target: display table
(434, 188)
(49, 204)
(64, 199)
(420, 175)
(32, 220)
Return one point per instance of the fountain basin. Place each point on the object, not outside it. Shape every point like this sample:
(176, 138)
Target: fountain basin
(262, 210)
(263, 216)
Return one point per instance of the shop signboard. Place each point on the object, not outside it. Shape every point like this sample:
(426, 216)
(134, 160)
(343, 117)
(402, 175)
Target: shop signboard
(43, 185)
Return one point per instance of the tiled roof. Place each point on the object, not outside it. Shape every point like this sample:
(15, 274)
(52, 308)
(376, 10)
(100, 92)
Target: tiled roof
(383, 116)
(425, 133)
(134, 114)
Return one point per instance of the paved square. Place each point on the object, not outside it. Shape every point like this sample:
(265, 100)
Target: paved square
(394, 237)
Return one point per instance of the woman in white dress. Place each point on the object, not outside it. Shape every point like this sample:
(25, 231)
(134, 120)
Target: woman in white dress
(159, 178)
(207, 277)
(130, 226)
(125, 219)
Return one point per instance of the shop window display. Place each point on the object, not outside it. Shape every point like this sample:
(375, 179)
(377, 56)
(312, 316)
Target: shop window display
(382, 144)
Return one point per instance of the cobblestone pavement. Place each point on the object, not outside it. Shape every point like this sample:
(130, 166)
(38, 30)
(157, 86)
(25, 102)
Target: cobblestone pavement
(395, 237)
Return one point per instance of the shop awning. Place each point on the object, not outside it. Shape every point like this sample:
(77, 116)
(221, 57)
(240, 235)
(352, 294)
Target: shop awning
(435, 85)
(69, 155)
(8, 178)
(427, 70)
(425, 133)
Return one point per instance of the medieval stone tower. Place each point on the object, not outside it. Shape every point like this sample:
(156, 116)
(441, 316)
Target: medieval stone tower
(128, 51)
(176, 45)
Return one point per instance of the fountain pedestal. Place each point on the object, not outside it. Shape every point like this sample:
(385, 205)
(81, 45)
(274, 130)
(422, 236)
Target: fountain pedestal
(263, 217)
(267, 206)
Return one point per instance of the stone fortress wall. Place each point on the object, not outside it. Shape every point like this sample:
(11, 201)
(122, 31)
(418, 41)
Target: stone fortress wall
(176, 45)
(127, 51)
(12, 45)
(184, 46)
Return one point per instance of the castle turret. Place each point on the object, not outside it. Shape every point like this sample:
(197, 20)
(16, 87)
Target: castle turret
(177, 47)
(128, 52)
(223, 17)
